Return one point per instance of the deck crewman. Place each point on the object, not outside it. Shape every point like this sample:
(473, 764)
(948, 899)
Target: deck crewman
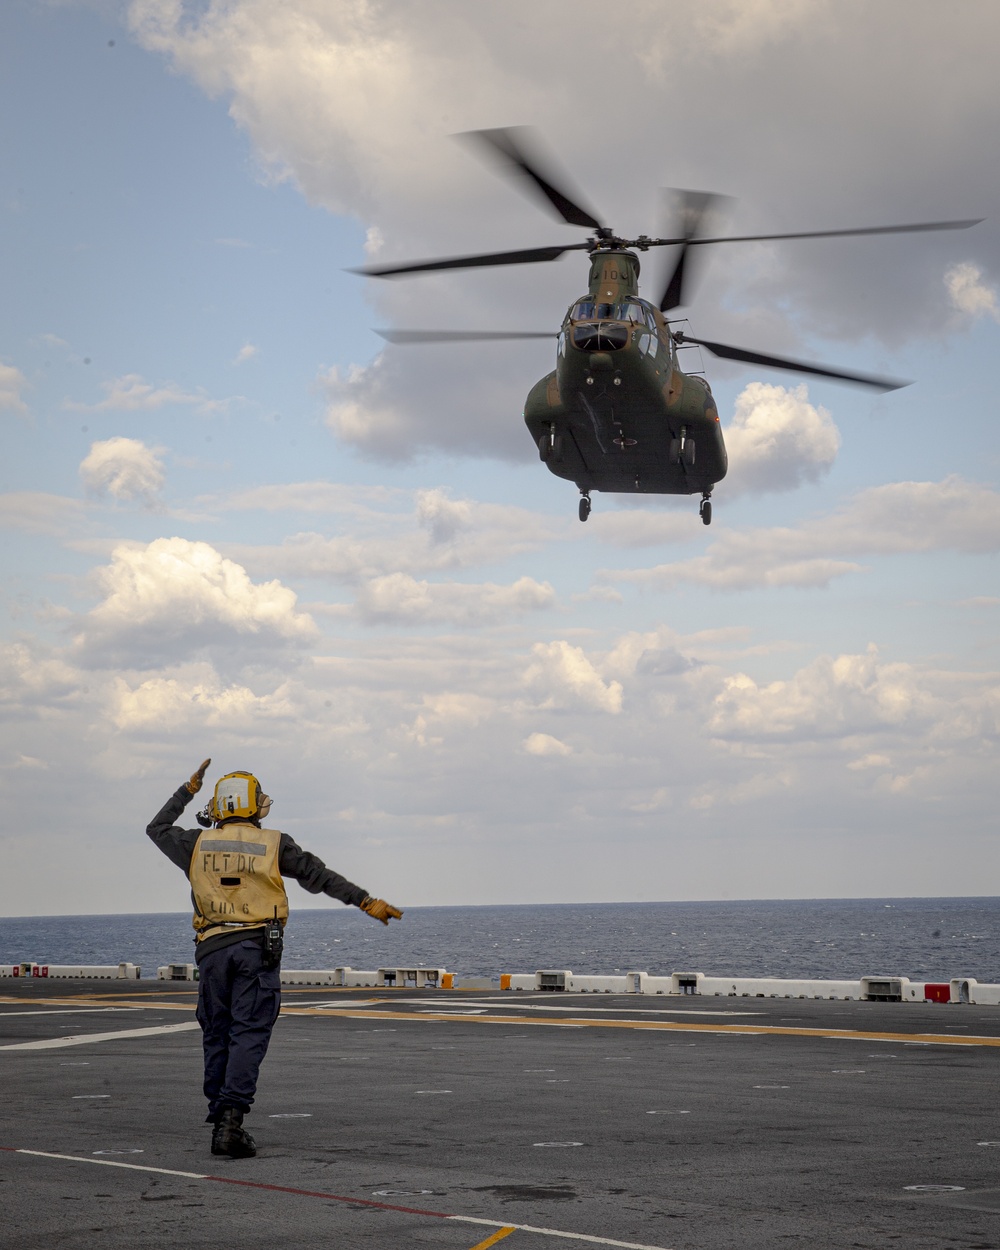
(235, 867)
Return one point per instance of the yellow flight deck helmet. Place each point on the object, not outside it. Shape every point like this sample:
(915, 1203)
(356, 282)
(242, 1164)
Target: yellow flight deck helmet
(238, 796)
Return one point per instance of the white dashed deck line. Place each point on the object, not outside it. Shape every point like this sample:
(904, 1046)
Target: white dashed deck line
(85, 1039)
(68, 1011)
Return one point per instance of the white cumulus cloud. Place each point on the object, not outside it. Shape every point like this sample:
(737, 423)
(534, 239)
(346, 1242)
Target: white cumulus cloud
(970, 293)
(124, 468)
(777, 440)
(565, 678)
(399, 598)
(173, 595)
(545, 744)
(831, 697)
(900, 517)
(132, 393)
(12, 383)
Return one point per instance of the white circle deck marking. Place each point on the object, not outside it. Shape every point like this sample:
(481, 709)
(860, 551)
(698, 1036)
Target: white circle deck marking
(75, 1065)
(400, 1193)
(557, 1080)
(290, 1115)
(988, 1143)
(77, 1097)
(934, 1189)
(770, 1087)
(558, 1143)
(117, 1152)
(539, 1069)
(668, 1112)
(848, 1071)
(432, 1091)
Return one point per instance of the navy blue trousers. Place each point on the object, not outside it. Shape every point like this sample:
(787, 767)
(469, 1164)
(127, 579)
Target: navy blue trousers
(238, 1002)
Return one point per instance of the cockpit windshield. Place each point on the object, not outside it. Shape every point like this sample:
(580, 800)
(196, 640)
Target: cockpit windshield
(627, 310)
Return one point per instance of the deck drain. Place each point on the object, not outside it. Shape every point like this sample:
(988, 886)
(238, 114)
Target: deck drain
(934, 1189)
(557, 1143)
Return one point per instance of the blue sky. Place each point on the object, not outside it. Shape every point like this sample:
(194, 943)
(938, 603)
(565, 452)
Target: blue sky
(236, 529)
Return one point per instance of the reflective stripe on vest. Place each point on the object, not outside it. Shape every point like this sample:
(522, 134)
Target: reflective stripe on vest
(235, 881)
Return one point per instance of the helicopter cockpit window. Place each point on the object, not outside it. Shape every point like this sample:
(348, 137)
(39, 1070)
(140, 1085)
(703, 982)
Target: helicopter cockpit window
(608, 311)
(634, 312)
(583, 311)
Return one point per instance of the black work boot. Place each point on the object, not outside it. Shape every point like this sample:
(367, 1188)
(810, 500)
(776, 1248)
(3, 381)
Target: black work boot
(229, 1137)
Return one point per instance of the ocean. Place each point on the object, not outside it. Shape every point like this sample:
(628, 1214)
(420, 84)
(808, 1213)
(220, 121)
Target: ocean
(924, 938)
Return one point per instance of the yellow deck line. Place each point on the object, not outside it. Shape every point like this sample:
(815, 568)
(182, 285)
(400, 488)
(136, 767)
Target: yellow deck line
(666, 1026)
(499, 1235)
(662, 1026)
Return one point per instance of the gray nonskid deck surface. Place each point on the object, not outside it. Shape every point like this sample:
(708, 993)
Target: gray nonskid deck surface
(688, 1139)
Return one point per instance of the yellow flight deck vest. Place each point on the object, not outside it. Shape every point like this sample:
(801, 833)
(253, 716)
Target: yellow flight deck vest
(235, 882)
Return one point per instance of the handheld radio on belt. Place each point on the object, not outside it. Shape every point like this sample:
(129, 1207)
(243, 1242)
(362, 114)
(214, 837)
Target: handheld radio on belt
(274, 942)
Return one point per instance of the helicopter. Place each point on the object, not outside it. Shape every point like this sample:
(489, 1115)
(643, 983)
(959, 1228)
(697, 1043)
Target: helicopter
(618, 414)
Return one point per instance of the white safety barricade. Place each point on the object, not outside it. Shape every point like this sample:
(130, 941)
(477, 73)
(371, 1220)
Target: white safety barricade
(597, 985)
(177, 972)
(74, 972)
(968, 990)
(89, 972)
(412, 978)
(778, 987)
(890, 990)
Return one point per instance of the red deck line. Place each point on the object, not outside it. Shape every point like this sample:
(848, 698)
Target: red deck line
(314, 1193)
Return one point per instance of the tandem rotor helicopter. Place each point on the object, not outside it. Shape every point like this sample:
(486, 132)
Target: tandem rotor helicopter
(618, 413)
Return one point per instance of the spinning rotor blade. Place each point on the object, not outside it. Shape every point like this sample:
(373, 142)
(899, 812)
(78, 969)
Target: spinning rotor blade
(694, 206)
(834, 234)
(524, 256)
(460, 336)
(796, 366)
(516, 149)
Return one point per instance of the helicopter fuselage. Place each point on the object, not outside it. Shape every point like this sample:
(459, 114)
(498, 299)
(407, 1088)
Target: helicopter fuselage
(616, 413)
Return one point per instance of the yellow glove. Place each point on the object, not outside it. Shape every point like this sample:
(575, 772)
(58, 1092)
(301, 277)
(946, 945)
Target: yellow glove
(380, 909)
(194, 785)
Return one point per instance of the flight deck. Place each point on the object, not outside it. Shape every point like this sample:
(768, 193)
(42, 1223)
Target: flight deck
(469, 1118)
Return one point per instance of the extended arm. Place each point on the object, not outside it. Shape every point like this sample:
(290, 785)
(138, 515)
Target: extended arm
(176, 843)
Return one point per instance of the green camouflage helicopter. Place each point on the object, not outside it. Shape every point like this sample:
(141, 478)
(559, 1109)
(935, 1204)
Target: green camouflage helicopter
(618, 413)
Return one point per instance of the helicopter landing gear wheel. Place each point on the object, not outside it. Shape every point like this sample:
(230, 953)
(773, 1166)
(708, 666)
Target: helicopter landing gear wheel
(584, 507)
(705, 510)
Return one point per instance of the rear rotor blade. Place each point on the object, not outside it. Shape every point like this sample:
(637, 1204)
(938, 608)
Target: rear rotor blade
(694, 205)
(524, 256)
(460, 336)
(517, 150)
(796, 366)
